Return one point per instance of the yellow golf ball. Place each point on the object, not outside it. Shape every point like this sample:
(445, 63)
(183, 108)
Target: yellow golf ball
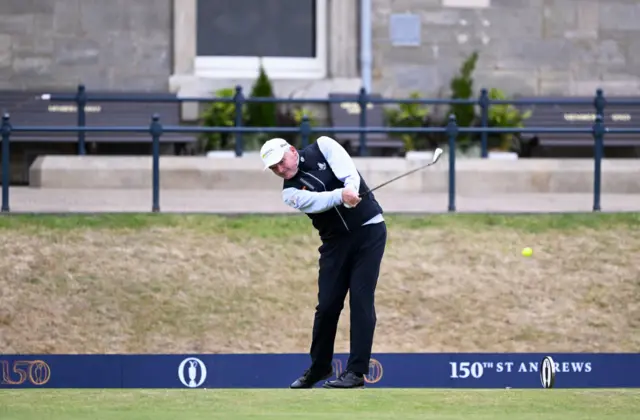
(527, 252)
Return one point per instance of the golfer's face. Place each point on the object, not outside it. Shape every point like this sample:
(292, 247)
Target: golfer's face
(287, 167)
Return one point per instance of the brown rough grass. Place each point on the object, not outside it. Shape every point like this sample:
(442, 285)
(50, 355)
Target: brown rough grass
(176, 289)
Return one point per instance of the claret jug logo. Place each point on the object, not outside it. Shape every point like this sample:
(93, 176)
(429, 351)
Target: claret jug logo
(192, 372)
(547, 372)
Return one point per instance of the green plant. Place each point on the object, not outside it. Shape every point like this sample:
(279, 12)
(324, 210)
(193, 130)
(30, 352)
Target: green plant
(219, 114)
(261, 114)
(504, 115)
(462, 88)
(409, 115)
(299, 112)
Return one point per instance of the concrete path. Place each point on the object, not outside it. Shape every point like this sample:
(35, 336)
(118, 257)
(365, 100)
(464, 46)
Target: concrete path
(33, 200)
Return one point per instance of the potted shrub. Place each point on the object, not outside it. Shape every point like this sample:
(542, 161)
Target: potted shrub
(219, 114)
(416, 145)
(461, 87)
(504, 145)
(260, 114)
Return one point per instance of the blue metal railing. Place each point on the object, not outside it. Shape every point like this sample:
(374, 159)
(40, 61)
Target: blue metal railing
(156, 130)
(81, 98)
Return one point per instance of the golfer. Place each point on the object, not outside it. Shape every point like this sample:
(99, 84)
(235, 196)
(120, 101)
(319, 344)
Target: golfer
(322, 181)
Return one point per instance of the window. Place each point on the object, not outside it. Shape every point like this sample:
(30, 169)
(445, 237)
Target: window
(289, 36)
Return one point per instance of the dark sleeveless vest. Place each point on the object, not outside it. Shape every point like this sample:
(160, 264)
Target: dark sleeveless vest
(315, 174)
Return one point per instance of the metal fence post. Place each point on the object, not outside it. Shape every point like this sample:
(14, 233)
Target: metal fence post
(452, 133)
(484, 117)
(81, 102)
(238, 100)
(598, 137)
(156, 131)
(6, 172)
(362, 101)
(599, 102)
(305, 131)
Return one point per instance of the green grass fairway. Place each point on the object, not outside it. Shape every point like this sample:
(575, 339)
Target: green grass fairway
(319, 404)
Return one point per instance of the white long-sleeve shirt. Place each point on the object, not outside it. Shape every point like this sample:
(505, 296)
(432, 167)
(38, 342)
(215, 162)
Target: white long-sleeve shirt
(343, 168)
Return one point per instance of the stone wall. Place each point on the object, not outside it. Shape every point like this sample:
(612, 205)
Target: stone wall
(526, 46)
(544, 47)
(472, 176)
(114, 44)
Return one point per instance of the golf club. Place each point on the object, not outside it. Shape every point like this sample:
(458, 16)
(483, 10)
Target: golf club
(436, 156)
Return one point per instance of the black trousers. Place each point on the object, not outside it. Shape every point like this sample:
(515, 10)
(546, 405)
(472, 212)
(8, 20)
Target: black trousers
(350, 263)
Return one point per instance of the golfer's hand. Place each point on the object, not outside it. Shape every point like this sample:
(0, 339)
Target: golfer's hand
(350, 197)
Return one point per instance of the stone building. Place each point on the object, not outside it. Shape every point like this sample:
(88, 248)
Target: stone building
(193, 46)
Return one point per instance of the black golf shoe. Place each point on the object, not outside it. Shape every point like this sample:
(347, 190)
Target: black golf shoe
(346, 380)
(309, 379)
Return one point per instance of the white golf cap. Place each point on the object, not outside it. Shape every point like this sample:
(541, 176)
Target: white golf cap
(273, 151)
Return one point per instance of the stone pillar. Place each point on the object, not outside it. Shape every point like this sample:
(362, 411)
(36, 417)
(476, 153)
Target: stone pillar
(184, 54)
(344, 35)
(184, 36)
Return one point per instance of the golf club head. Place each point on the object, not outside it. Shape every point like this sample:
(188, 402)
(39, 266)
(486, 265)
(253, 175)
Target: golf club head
(436, 155)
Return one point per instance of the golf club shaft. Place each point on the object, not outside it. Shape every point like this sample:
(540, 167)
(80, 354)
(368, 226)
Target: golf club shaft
(436, 156)
(396, 178)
